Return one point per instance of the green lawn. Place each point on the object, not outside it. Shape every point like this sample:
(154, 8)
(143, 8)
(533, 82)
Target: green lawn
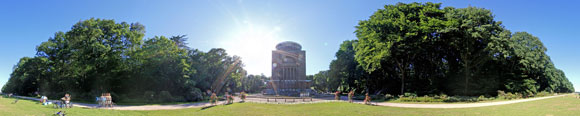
(568, 105)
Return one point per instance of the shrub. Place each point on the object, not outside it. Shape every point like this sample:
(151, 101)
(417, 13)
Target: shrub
(542, 94)
(165, 96)
(410, 95)
(389, 96)
(466, 99)
(420, 99)
(194, 95)
(452, 99)
(443, 96)
(481, 98)
(149, 96)
(528, 94)
(510, 96)
(518, 96)
(179, 99)
(501, 94)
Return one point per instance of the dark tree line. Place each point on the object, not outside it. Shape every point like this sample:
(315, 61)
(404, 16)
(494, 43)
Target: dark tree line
(98, 56)
(421, 48)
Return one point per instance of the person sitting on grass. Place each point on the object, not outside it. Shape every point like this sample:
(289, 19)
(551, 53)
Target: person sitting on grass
(66, 100)
(350, 95)
(43, 100)
(367, 100)
(337, 95)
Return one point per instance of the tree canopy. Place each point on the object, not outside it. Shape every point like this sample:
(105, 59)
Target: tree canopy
(425, 49)
(98, 56)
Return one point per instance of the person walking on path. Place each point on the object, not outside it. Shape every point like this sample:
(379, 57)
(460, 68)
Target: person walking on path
(337, 95)
(213, 99)
(367, 99)
(243, 96)
(350, 95)
(227, 97)
(231, 99)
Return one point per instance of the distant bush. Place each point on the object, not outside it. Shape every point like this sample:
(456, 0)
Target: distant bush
(410, 95)
(443, 96)
(481, 98)
(500, 93)
(542, 94)
(165, 96)
(425, 98)
(389, 97)
(463, 99)
(194, 95)
(149, 96)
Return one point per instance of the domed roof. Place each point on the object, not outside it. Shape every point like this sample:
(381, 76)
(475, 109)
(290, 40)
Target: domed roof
(289, 46)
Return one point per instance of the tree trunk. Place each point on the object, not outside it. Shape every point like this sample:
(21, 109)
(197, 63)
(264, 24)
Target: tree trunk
(403, 83)
(467, 75)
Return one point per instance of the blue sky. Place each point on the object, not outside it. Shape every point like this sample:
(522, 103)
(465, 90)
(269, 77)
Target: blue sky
(250, 29)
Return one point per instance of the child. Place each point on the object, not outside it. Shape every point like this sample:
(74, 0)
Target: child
(231, 99)
(367, 99)
(213, 99)
(227, 95)
(243, 96)
(350, 95)
(337, 95)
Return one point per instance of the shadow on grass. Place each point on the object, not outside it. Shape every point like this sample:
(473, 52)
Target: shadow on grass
(210, 106)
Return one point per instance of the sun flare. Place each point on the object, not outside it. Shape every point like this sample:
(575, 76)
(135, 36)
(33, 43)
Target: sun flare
(254, 44)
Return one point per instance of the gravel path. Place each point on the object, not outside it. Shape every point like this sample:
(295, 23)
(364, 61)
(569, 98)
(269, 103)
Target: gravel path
(316, 100)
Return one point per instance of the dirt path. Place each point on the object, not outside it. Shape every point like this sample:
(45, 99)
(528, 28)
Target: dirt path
(258, 100)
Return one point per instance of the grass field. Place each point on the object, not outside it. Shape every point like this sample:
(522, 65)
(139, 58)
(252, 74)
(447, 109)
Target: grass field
(560, 106)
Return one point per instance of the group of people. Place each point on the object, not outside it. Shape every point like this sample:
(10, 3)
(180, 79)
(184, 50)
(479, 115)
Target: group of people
(44, 100)
(105, 100)
(64, 101)
(367, 99)
(228, 97)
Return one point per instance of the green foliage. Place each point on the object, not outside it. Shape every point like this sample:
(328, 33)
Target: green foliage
(324, 83)
(165, 96)
(99, 56)
(421, 99)
(387, 41)
(254, 83)
(542, 94)
(389, 96)
(345, 71)
(421, 48)
(443, 98)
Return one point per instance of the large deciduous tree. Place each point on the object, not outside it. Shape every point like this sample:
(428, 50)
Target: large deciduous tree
(393, 37)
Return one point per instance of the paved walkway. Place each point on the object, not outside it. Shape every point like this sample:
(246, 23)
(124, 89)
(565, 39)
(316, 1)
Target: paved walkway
(315, 100)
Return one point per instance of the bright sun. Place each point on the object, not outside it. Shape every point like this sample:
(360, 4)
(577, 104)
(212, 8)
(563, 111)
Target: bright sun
(254, 43)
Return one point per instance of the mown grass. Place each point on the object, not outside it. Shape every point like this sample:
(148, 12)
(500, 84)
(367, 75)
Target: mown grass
(560, 106)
